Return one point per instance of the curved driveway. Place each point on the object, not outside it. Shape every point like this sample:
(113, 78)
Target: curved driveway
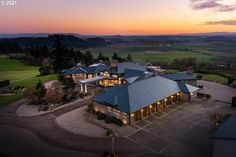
(182, 131)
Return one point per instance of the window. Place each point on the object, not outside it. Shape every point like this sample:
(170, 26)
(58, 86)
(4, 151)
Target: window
(125, 115)
(109, 109)
(116, 112)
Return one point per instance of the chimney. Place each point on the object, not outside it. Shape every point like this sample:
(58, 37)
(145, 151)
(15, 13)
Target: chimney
(114, 63)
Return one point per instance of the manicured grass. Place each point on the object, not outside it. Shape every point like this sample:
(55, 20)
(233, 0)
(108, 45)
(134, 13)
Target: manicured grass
(170, 56)
(19, 74)
(4, 100)
(171, 71)
(213, 78)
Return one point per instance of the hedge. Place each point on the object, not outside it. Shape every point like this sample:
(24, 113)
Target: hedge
(4, 83)
(200, 95)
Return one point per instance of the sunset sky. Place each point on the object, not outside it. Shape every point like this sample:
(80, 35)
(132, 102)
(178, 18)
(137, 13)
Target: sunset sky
(123, 17)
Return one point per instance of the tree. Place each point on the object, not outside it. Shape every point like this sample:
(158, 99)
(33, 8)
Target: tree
(100, 56)
(40, 91)
(129, 58)
(115, 56)
(88, 58)
(61, 57)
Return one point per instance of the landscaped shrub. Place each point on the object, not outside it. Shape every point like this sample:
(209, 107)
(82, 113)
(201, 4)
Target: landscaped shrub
(44, 70)
(199, 77)
(91, 108)
(4, 83)
(200, 86)
(234, 101)
(202, 95)
(108, 119)
(116, 120)
(100, 115)
(43, 107)
(109, 132)
(219, 118)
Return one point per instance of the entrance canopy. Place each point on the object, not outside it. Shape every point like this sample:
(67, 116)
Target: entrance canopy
(94, 79)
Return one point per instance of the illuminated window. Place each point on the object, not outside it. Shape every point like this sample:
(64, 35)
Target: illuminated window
(116, 112)
(124, 115)
(109, 109)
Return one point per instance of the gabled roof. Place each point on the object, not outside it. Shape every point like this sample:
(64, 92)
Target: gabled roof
(186, 88)
(133, 97)
(132, 73)
(74, 70)
(129, 65)
(92, 69)
(179, 76)
(227, 130)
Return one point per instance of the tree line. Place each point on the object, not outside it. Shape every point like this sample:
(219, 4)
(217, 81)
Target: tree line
(57, 57)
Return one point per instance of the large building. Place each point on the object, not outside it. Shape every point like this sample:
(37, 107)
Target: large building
(225, 139)
(115, 74)
(131, 102)
(135, 91)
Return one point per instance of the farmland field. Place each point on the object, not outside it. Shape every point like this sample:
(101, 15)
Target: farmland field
(203, 52)
(19, 74)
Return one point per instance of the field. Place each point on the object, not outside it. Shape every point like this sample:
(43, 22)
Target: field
(203, 52)
(213, 78)
(19, 74)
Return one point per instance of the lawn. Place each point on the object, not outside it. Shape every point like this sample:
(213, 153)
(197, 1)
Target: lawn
(19, 74)
(213, 78)
(170, 56)
(151, 53)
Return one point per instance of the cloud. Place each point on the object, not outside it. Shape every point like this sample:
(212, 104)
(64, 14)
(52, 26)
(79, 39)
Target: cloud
(222, 22)
(215, 5)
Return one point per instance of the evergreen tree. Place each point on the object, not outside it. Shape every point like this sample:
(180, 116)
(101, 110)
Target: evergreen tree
(61, 57)
(129, 58)
(115, 56)
(101, 57)
(40, 91)
(88, 58)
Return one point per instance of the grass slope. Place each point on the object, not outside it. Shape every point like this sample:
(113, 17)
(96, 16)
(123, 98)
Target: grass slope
(19, 74)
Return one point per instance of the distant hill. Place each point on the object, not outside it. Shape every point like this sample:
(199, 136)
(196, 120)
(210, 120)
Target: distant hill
(68, 40)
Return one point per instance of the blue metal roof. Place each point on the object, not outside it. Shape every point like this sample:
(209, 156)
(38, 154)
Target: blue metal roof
(129, 65)
(227, 130)
(83, 69)
(133, 97)
(179, 76)
(132, 73)
(186, 88)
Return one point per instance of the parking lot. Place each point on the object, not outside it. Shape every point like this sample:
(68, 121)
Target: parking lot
(183, 130)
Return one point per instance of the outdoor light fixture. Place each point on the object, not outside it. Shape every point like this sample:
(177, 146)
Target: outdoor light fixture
(141, 110)
(125, 121)
(191, 94)
(132, 115)
(165, 99)
(158, 103)
(178, 94)
(150, 106)
(172, 96)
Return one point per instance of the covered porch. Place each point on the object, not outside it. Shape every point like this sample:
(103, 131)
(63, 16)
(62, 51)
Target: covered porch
(84, 83)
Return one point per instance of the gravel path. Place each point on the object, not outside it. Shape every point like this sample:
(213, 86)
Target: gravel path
(76, 122)
(81, 122)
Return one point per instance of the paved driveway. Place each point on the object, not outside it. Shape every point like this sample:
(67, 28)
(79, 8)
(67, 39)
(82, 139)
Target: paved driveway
(181, 132)
(218, 91)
